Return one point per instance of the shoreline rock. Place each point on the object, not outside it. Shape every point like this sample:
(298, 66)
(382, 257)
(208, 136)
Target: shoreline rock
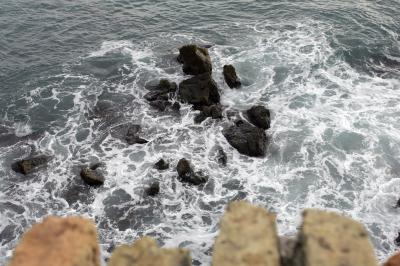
(259, 116)
(161, 165)
(187, 175)
(231, 77)
(196, 60)
(200, 90)
(28, 165)
(92, 177)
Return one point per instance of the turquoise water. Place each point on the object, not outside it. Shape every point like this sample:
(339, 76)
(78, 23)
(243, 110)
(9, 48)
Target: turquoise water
(328, 70)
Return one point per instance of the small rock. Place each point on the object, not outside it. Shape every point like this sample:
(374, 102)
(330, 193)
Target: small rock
(397, 240)
(199, 118)
(195, 60)
(92, 177)
(155, 95)
(160, 105)
(163, 86)
(176, 106)
(187, 175)
(247, 139)
(230, 77)
(132, 135)
(393, 261)
(153, 190)
(199, 90)
(259, 116)
(96, 165)
(161, 165)
(222, 157)
(26, 166)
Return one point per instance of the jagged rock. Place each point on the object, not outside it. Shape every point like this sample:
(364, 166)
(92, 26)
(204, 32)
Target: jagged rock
(199, 118)
(92, 177)
(214, 111)
(161, 165)
(246, 138)
(27, 165)
(163, 85)
(221, 157)
(58, 241)
(230, 77)
(199, 90)
(195, 60)
(397, 240)
(330, 239)
(160, 105)
(259, 116)
(132, 136)
(393, 261)
(146, 252)
(247, 237)
(159, 94)
(153, 190)
(187, 175)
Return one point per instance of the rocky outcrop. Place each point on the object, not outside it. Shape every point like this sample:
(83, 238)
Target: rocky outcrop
(195, 60)
(161, 165)
(230, 76)
(28, 165)
(393, 261)
(92, 177)
(199, 90)
(146, 252)
(153, 190)
(58, 241)
(187, 174)
(247, 237)
(330, 239)
(259, 116)
(246, 138)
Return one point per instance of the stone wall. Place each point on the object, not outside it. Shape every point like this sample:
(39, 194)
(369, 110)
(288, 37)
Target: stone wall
(248, 236)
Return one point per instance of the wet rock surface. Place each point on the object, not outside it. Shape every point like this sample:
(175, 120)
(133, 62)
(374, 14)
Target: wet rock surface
(59, 241)
(132, 135)
(222, 158)
(200, 90)
(92, 177)
(161, 165)
(153, 189)
(196, 60)
(28, 165)
(247, 139)
(259, 116)
(231, 77)
(187, 174)
(393, 261)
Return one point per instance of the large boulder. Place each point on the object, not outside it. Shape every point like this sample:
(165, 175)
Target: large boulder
(91, 176)
(187, 175)
(58, 241)
(247, 237)
(393, 261)
(195, 60)
(28, 165)
(146, 252)
(259, 116)
(230, 77)
(246, 138)
(199, 90)
(330, 239)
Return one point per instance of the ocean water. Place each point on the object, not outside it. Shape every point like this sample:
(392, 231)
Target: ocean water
(70, 71)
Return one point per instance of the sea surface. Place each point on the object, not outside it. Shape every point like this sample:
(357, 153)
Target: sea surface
(70, 71)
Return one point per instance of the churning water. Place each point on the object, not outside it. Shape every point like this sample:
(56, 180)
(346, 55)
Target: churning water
(70, 71)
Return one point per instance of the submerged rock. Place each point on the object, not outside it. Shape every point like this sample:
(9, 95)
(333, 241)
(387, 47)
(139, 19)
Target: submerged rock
(160, 94)
(161, 165)
(132, 135)
(27, 165)
(247, 139)
(92, 177)
(230, 77)
(221, 157)
(196, 60)
(153, 190)
(259, 116)
(163, 86)
(200, 90)
(214, 111)
(187, 175)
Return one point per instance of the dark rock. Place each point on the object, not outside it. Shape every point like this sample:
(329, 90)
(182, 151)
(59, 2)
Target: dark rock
(156, 95)
(397, 240)
(26, 166)
(398, 204)
(230, 77)
(132, 136)
(160, 105)
(222, 157)
(92, 177)
(195, 60)
(153, 190)
(199, 90)
(96, 165)
(187, 175)
(259, 116)
(176, 106)
(163, 86)
(161, 165)
(214, 111)
(247, 139)
(199, 118)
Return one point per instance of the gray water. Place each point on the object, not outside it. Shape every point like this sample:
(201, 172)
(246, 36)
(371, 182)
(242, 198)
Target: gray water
(72, 70)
